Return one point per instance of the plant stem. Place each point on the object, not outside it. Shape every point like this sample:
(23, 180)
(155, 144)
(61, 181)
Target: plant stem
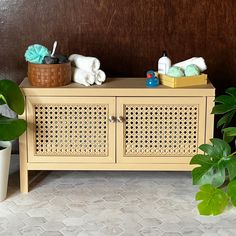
(232, 154)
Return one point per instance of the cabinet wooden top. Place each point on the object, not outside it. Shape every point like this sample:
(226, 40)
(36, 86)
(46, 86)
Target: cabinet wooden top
(117, 87)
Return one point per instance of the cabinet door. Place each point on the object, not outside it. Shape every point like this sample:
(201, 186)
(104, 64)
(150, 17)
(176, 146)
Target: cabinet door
(71, 129)
(159, 130)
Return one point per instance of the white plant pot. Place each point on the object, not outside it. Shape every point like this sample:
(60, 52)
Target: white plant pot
(5, 157)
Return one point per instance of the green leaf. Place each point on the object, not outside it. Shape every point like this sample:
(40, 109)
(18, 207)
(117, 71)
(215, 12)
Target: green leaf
(12, 95)
(209, 172)
(229, 134)
(207, 148)
(214, 175)
(227, 106)
(231, 191)
(226, 99)
(216, 151)
(200, 174)
(231, 131)
(213, 201)
(225, 119)
(201, 159)
(2, 100)
(222, 108)
(231, 91)
(230, 165)
(220, 148)
(212, 164)
(11, 129)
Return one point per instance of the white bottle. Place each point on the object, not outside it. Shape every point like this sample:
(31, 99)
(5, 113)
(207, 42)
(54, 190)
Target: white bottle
(164, 63)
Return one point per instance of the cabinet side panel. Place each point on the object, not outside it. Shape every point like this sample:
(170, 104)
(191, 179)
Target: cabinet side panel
(209, 119)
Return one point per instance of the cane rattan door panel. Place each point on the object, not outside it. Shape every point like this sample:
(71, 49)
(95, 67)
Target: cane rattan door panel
(160, 130)
(75, 129)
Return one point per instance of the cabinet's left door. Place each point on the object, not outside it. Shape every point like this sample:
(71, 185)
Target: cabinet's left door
(71, 129)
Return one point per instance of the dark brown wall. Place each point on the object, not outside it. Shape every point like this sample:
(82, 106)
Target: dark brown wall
(126, 35)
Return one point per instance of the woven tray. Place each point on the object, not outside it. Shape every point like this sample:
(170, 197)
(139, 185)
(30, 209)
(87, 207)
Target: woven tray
(53, 75)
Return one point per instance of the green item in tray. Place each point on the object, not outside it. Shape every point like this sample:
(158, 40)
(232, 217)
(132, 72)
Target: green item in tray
(192, 70)
(175, 71)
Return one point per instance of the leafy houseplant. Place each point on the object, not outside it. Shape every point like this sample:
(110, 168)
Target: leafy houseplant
(10, 94)
(216, 170)
(10, 128)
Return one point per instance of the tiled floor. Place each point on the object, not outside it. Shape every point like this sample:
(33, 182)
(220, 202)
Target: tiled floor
(108, 203)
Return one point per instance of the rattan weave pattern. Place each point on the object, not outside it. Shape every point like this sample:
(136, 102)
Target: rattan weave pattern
(71, 130)
(161, 130)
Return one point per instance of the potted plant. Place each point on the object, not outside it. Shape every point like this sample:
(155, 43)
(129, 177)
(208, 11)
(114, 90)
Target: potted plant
(10, 128)
(216, 170)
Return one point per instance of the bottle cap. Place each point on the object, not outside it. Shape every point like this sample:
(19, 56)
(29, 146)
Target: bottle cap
(164, 53)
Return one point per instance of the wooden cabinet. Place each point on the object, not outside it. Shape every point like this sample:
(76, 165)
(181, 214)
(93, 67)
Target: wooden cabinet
(120, 125)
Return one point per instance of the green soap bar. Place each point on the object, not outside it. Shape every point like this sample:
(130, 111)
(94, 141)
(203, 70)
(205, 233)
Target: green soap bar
(175, 71)
(192, 70)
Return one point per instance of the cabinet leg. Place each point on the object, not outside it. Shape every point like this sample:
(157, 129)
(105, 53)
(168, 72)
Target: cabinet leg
(24, 180)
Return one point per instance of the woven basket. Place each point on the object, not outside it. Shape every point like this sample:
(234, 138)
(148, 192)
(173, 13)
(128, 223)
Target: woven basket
(49, 75)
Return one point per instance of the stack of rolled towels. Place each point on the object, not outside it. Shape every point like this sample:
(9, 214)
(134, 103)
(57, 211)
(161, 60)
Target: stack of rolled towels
(86, 70)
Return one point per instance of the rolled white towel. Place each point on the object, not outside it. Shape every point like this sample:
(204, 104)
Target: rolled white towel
(91, 64)
(82, 77)
(185, 63)
(100, 77)
(198, 61)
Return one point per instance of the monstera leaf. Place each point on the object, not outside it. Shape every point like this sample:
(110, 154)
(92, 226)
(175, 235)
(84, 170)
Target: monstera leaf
(217, 167)
(230, 164)
(229, 134)
(213, 202)
(213, 164)
(227, 107)
(225, 120)
(231, 191)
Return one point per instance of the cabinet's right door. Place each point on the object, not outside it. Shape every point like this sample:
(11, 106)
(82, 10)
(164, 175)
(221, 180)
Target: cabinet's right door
(159, 130)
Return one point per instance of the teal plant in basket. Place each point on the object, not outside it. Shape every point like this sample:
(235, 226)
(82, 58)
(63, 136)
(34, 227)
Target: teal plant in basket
(36, 53)
(10, 94)
(216, 170)
(45, 68)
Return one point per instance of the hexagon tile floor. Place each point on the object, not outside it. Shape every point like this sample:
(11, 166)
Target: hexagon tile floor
(108, 203)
